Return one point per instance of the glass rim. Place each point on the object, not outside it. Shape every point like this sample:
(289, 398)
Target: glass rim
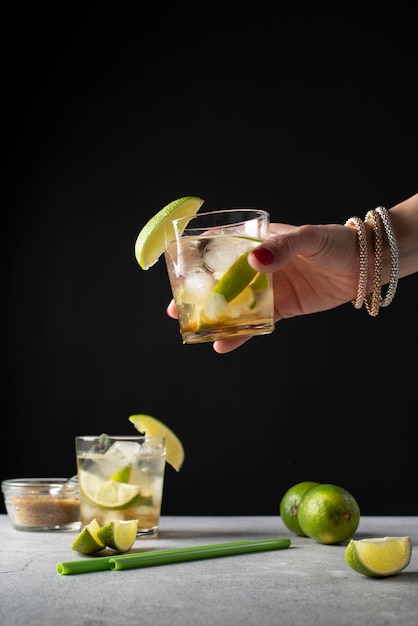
(120, 437)
(211, 221)
(33, 487)
(257, 213)
(23, 482)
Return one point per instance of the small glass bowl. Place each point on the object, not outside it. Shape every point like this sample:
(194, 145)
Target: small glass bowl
(41, 504)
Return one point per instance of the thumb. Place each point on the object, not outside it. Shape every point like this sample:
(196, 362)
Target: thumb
(284, 242)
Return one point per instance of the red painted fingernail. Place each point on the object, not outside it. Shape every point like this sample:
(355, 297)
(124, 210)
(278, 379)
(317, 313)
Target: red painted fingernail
(263, 255)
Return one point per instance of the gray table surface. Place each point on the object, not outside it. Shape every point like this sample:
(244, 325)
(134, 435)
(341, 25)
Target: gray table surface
(306, 584)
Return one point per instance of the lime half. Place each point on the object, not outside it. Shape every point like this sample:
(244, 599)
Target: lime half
(151, 240)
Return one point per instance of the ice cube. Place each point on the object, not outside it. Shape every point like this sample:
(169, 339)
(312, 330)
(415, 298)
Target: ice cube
(215, 306)
(126, 450)
(198, 285)
(221, 252)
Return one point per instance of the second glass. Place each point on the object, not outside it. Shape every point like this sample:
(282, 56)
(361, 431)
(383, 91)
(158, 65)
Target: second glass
(121, 478)
(217, 294)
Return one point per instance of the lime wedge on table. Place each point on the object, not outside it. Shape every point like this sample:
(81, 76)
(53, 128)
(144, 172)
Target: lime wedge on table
(153, 427)
(379, 557)
(150, 242)
(119, 534)
(87, 541)
(109, 494)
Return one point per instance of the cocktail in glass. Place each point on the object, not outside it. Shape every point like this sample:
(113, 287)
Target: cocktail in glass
(121, 478)
(217, 294)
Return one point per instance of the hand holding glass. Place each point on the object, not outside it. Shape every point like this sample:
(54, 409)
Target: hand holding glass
(217, 294)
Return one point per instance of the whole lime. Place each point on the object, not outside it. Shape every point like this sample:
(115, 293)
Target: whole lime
(328, 514)
(289, 505)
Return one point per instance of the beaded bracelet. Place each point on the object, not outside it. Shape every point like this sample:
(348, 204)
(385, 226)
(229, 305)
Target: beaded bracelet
(394, 256)
(373, 300)
(364, 260)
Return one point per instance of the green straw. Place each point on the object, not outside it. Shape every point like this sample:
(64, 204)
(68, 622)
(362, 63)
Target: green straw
(176, 555)
(97, 564)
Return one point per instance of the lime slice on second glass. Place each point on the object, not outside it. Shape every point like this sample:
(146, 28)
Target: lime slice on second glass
(150, 242)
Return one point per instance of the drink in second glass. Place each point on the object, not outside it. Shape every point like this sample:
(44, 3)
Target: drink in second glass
(217, 294)
(121, 478)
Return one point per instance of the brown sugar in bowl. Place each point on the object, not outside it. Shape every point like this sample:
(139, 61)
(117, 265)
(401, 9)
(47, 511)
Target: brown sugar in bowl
(42, 504)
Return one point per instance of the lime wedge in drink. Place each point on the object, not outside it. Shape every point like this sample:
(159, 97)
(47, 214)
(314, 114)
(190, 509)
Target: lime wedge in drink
(108, 494)
(122, 475)
(236, 278)
(260, 282)
(246, 298)
(151, 240)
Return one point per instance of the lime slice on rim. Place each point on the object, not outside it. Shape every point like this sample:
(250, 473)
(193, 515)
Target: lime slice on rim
(108, 494)
(153, 427)
(150, 242)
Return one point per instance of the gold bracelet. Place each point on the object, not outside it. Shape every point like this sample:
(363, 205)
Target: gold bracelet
(374, 300)
(394, 256)
(364, 260)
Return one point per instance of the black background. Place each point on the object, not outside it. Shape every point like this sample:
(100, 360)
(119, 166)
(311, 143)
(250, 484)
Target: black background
(110, 115)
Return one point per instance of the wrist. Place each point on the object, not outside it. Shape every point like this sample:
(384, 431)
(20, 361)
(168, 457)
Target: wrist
(404, 218)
